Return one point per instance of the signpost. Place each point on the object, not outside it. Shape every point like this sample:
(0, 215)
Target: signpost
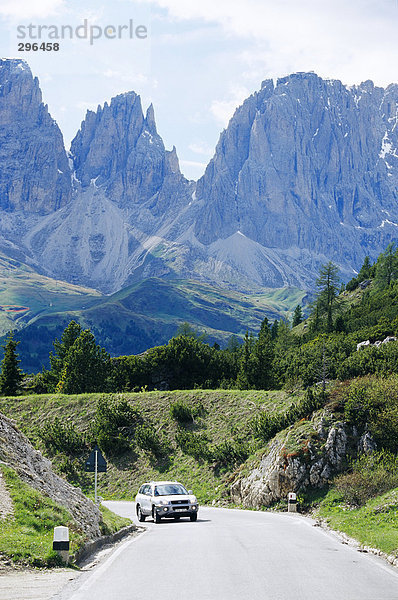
(96, 463)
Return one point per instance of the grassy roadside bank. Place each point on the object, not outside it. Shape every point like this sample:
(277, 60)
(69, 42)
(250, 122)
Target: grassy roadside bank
(374, 525)
(26, 535)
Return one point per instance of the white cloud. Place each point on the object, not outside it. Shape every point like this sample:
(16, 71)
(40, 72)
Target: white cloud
(85, 106)
(342, 39)
(201, 148)
(223, 110)
(26, 9)
(126, 77)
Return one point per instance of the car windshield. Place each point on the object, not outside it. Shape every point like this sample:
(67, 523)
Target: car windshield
(170, 489)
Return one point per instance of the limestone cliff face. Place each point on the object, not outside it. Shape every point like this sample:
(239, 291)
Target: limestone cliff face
(306, 172)
(34, 171)
(307, 168)
(128, 192)
(120, 151)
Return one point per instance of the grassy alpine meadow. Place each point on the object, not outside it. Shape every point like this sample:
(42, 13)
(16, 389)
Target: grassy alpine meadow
(220, 420)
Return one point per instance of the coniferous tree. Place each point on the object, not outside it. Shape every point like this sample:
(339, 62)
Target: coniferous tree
(49, 378)
(366, 270)
(263, 354)
(245, 363)
(387, 266)
(274, 330)
(11, 375)
(297, 316)
(328, 284)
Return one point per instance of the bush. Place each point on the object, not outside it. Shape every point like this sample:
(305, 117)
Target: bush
(148, 439)
(59, 436)
(183, 413)
(114, 425)
(230, 453)
(371, 475)
(265, 426)
(193, 444)
(372, 403)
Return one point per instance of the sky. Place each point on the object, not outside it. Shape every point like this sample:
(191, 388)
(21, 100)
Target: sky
(195, 60)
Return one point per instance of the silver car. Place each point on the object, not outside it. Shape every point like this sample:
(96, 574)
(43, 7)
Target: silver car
(165, 499)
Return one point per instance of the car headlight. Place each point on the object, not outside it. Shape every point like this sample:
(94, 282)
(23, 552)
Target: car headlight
(162, 502)
(193, 500)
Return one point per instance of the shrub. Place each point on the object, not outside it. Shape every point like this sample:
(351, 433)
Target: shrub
(265, 426)
(230, 453)
(148, 439)
(194, 444)
(371, 475)
(59, 436)
(114, 425)
(181, 412)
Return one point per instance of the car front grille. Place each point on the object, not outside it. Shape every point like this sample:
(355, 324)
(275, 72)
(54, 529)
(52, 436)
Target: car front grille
(179, 502)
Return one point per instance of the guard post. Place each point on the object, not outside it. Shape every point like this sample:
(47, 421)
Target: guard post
(292, 502)
(61, 542)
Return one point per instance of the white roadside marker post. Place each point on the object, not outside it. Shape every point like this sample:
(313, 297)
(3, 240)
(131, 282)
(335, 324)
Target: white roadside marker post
(292, 502)
(61, 542)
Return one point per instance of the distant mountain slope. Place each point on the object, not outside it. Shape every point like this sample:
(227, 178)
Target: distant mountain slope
(134, 319)
(24, 295)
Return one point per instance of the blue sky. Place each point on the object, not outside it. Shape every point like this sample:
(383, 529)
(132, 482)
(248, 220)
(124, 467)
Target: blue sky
(201, 58)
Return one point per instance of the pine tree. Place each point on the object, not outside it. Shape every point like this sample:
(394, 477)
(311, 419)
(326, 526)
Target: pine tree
(328, 284)
(245, 363)
(274, 330)
(11, 375)
(263, 354)
(297, 316)
(387, 266)
(366, 270)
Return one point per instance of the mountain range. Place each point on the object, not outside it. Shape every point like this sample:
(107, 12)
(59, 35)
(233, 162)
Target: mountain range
(306, 172)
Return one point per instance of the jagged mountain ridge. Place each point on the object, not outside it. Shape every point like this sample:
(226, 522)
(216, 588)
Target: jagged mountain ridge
(306, 171)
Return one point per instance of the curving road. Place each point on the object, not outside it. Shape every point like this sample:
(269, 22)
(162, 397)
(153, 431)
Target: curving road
(235, 554)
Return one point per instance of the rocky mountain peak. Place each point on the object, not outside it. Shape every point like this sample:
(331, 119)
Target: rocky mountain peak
(34, 171)
(150, 120)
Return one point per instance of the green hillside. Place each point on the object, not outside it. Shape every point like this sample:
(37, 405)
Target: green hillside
(25, 295)
(132, 320)
(223, 416)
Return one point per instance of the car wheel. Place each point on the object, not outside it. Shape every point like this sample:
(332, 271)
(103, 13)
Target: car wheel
(194, 517)
(156, 516)
(140, 515)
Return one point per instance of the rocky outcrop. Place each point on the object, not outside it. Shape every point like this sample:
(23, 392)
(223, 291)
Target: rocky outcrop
(6, 507)
(35, 470)
(312, 463)
(34, 173)
(377, 343)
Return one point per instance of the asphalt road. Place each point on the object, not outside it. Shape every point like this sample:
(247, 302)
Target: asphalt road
(233, 554)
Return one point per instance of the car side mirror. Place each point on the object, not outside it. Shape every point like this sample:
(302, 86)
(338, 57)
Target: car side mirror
(190, 492)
